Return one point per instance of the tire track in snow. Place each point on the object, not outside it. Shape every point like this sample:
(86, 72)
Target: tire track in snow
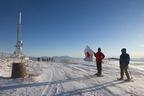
(53, 89)
(58, 88)
(103, 88)
(45, 90)
(74, 70)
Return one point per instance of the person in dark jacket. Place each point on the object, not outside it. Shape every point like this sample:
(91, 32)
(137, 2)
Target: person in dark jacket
(124, 62)
(99, 57)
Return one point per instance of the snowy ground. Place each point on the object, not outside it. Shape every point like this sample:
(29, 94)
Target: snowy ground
(71, 79)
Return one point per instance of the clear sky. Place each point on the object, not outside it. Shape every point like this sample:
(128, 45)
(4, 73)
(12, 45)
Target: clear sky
(65, 27)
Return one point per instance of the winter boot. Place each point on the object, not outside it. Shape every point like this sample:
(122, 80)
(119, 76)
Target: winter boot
(120, 79)
(127, 80)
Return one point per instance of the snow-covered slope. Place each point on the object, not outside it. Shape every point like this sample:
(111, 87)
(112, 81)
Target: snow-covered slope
(70, 79)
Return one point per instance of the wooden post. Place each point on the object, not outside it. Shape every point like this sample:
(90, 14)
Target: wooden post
(18, 70)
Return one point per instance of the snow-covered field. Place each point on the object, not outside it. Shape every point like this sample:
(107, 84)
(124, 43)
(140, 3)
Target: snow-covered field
(70, 79)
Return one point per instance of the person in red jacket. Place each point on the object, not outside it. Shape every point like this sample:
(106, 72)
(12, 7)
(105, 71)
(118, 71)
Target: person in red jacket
(99, 57)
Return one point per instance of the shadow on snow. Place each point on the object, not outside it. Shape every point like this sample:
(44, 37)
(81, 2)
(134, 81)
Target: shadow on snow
(73, 92)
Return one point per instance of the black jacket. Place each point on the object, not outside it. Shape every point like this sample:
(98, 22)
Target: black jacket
(124, 59)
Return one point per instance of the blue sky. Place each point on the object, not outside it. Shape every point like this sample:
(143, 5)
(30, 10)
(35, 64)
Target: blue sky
(65, 27)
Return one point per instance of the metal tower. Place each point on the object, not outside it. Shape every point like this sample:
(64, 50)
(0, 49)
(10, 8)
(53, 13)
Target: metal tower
(18, 51)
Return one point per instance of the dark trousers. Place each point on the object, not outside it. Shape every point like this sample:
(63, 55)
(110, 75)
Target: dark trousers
(99, 68)
(124, 69)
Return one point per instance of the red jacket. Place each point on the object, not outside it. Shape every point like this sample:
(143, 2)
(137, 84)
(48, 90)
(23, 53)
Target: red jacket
(99, 56)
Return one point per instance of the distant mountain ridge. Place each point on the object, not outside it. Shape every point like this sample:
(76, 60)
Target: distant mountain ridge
(63, 58)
